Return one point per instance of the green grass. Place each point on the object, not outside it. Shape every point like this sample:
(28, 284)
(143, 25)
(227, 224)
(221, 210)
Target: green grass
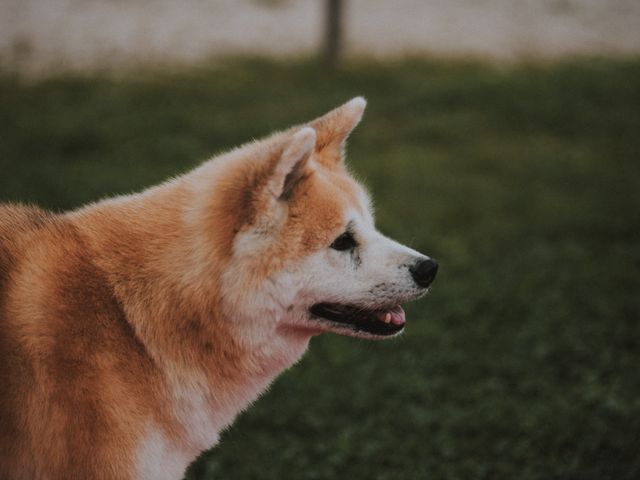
(524, 181)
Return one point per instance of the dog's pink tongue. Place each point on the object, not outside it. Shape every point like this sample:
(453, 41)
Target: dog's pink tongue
(394, 315)
(397, 316)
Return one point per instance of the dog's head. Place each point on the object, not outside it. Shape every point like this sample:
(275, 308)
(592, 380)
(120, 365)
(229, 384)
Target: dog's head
(305, 253)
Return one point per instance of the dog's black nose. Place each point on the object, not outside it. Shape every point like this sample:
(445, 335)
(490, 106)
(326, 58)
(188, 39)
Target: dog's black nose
(424, 271)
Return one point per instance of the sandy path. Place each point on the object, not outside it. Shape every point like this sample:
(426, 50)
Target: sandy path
(38, 34)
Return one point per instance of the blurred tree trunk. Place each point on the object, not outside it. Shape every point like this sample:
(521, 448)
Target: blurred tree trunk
(332, 50)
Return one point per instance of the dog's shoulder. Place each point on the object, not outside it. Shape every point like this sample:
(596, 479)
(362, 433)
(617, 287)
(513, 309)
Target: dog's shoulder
(63, 335)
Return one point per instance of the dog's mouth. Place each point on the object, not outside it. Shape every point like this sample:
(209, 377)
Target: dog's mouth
(383, 322)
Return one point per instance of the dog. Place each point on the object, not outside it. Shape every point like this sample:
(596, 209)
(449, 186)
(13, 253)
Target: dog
(133, 330)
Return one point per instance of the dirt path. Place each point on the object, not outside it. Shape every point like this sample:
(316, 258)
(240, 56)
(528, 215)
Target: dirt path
(38, 34)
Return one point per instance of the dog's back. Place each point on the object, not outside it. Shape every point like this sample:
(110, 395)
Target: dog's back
(16, 223)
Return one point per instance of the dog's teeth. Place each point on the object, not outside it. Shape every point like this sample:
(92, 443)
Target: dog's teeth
(387, 318)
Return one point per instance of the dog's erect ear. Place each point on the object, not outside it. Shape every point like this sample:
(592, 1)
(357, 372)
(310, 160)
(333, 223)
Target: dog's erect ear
(291, 165)
(334, 128)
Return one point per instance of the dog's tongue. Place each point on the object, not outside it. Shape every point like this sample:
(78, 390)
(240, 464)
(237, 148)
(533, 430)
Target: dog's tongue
(394, 315)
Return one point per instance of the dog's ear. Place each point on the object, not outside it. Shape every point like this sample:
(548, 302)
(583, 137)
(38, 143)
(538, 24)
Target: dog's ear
(334, 128)
(292, 164)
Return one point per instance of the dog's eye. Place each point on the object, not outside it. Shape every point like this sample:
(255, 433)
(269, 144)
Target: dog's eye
(344, 242)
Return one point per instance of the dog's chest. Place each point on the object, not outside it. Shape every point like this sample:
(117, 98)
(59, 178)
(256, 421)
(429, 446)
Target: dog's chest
(158, 459)
(203, 410)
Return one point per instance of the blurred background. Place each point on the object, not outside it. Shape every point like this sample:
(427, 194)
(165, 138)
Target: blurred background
(502, 137)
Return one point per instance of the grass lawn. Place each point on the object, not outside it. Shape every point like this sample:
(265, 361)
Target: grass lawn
(524, 182)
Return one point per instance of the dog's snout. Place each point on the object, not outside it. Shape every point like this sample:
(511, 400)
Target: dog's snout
(424, 271)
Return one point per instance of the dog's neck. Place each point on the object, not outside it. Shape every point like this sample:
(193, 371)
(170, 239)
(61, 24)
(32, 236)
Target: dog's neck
(211, 371)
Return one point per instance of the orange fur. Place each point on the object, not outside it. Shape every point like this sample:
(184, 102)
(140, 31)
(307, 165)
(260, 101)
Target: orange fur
(110, 315)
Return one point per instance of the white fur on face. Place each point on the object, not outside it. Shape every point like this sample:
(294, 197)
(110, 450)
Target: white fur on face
(375, 275)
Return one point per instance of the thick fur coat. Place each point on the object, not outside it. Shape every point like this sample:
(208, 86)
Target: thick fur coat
(133, 330)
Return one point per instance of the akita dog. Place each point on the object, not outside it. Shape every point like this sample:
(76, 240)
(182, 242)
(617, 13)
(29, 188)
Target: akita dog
(133, 330)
